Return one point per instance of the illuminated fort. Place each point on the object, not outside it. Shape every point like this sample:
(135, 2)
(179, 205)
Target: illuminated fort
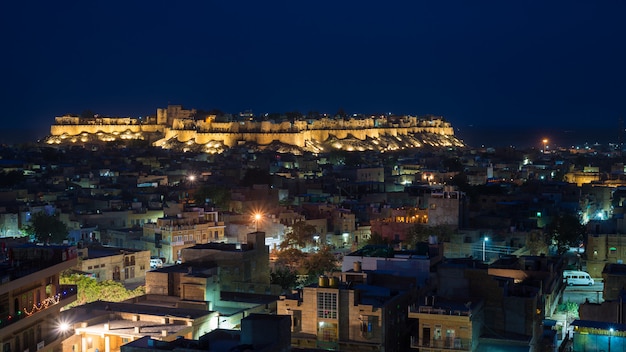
(175, 127)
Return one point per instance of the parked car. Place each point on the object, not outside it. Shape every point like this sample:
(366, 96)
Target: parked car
(574, 277)
(156, 263)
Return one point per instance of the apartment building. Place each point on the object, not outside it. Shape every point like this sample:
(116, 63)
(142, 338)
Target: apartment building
(112, 263)
(31, 296)
(355, 312)
(446, 324)
(171, 234)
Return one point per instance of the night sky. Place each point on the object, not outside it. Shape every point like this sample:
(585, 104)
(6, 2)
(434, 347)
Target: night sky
(480, 64)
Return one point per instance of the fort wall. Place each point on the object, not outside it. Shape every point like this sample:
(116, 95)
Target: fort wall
(74, 130)
(179, 124)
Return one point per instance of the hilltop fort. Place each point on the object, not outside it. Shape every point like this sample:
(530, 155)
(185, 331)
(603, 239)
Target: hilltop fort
(176, 127)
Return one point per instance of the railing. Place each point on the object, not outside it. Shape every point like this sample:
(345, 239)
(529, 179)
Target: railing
(441, 311)
(453, 344)
(65, 292)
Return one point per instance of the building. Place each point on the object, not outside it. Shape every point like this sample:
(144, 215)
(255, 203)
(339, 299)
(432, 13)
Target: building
(111, 263)
(603, 249)
(547, 272)
(447, 324)
(411, 263)
(259, 332)
(359, 311)
(31, 296)
(513, 309)
(598, 336)
(171, 234)
(243, 267)
(105, 326)
(614, 278)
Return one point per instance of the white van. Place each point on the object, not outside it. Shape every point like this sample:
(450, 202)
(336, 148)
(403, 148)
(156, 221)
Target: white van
(156, 263)
(574, 277)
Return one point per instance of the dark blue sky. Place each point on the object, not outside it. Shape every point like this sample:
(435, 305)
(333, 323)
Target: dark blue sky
(559, 64)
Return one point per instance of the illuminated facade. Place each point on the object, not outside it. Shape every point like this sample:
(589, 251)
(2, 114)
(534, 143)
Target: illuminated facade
(175, 127)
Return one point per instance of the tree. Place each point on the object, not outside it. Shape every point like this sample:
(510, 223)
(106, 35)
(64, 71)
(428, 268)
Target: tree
(320, 262)
(300, 235)
(285, 277)
(47, 228)
(219, 196)
(565, 231)
(289, 258)
(90, 290)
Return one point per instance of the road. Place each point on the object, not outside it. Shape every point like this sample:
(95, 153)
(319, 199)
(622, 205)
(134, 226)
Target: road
(579, 294)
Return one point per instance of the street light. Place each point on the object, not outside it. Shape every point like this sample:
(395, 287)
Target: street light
(545, 144)
(485, 239)
(610, 334)
(257, 217)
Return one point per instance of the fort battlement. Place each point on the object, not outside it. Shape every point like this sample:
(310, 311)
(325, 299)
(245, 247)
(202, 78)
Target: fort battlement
(182, 127)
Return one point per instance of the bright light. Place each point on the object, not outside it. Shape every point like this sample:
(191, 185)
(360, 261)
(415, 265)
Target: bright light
(192, 178)
(257, 216)
(63, 327)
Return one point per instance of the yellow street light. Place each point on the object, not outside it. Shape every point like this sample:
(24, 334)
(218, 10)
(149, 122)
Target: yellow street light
(257, 217)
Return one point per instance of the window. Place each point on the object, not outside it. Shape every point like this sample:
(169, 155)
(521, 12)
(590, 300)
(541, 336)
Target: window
(367, 326)
(327, 305)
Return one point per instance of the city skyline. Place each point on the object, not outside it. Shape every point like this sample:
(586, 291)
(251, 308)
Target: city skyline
(497, 65)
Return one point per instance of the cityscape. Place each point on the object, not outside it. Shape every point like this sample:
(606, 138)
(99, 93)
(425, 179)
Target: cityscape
(209, 231)
(312, 176)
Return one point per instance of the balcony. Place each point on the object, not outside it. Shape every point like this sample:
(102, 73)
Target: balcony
(66, 295)
(449, 344)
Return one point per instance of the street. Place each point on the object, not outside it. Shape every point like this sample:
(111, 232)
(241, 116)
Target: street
(578, 294)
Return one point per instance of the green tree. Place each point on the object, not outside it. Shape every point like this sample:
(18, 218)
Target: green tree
(90, 290)
(285, 277)
(219, 196)
(565, 231)
(290, 258)
(46, 228)
(320, 262)
(300, 235)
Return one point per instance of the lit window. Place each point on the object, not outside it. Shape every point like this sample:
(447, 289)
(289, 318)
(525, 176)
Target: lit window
(327, 305)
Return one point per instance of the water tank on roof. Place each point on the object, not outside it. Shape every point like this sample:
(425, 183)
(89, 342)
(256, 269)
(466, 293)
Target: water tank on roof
(323, 281)
(333, 282)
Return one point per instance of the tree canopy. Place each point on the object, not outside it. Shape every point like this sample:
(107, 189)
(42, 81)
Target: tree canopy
(294, 267)
(300, 235)
(46, 228)
(565, 231)
(220, 196)
(90, 290)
